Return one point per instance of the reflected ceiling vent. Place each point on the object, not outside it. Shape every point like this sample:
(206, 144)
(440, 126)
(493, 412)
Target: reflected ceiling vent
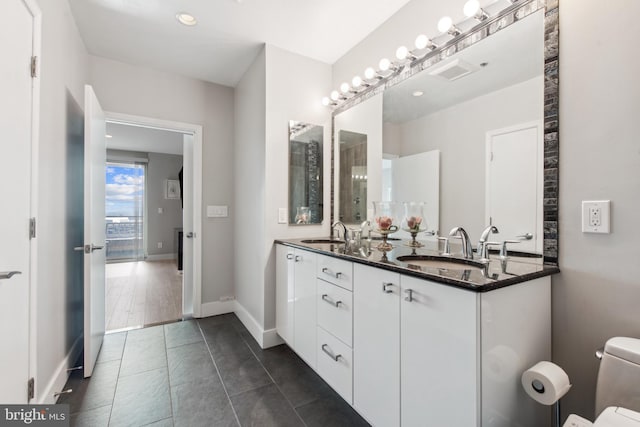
(454, 70)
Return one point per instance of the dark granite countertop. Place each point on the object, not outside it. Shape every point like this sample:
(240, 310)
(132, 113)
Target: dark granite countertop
(497, 274)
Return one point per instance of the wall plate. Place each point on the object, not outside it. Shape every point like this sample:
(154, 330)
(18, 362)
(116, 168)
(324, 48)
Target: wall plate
(596, 216)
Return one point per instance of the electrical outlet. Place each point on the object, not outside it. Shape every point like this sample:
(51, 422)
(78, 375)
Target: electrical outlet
(596, 216)
(159, 245)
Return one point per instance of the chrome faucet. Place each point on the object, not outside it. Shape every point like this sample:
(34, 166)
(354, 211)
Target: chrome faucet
(482, 251)
(345, 234)
(367, 224)
(467, 249)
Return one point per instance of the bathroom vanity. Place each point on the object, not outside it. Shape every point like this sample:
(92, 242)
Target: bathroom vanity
(409, 343)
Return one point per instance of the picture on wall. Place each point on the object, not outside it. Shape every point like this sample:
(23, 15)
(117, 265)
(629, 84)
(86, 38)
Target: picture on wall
(172, 189)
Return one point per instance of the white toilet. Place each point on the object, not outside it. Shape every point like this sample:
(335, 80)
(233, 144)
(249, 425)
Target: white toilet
(618, 387)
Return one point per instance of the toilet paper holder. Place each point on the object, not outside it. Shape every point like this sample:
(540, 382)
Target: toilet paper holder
(546, 383)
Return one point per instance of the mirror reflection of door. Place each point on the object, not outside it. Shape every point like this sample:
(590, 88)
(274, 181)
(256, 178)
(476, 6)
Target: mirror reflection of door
(353, 177)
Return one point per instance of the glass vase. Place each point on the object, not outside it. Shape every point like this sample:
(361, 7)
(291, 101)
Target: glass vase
(413, 221)
(385, 215)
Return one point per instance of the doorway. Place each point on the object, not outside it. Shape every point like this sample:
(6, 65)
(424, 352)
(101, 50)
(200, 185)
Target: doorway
(148, 211)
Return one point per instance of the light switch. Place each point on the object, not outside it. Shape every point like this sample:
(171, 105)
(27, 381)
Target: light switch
(160, 210)
(217, 211)
(282, 215)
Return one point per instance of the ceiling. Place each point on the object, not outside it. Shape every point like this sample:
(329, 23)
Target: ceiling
(229, 33)
(143, 139)
(512, 55)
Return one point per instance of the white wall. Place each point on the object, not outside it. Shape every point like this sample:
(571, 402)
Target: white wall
(129, 89)
(160, 226)
(597, 294)
(249, 189)
(278, 87)
(59, 289)
(295, 86)
(459, 132)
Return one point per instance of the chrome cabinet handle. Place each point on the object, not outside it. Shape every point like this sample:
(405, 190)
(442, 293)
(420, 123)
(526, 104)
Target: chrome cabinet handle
(410, 293)
(289, 256)
(337, 275)
(190, 235)
(329, 353)
(8, 274)
(526, 236)
(385, 288)
(297, 258)
(328, 300)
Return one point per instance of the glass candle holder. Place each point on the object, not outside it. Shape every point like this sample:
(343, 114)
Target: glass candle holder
(303, 215)
(385, 219)
(413, 221)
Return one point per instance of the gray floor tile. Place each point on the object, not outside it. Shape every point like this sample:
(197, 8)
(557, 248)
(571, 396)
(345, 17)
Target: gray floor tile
(202, 403)
(241, 371)
(182, 333)
(97, 417)
(223, 319)
(141, 399)
(112, 347)
(265, 407)
(144, 350)
(190, 362)
(331, 411)
(167, 422)
(92, 392)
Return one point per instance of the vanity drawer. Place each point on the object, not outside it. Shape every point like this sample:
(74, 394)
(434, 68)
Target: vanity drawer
(335, 364)
(336, 271)
(335, 310)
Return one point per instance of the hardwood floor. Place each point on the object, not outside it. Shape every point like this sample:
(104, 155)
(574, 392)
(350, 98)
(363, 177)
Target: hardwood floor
(142, 293)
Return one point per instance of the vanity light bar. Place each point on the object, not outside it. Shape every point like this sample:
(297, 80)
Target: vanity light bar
(423, 45)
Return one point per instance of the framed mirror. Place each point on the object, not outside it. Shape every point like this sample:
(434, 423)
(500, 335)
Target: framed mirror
(481, 116)
(305, 173)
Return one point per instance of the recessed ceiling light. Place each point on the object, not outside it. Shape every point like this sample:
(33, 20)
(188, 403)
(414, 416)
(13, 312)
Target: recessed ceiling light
(108, 136)
(186, 19)
(418, 93)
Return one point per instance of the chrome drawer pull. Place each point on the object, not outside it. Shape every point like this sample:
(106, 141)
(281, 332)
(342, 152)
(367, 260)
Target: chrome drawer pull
(326, 298)
(330, 353)
(410, 293)
(298, 258)
(289, 256)
(337, 275)
(8, 274)
(385, 288)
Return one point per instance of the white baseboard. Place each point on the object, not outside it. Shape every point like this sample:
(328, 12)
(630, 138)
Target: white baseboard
(61, 375)
(266, 338)
(217, 307)
(160, 257)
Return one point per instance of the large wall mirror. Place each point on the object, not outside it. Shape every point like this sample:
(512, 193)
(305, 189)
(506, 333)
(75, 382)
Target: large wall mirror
(305, 173)
(473, 135)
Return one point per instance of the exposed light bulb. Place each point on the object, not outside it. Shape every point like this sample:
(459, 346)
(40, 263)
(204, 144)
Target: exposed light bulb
(471, 8)
(384, 64)
(326, 101)
(356, 82)
(421, 41)
(444, 24)
(369, 73)
(344, 87)
(335, 95)
(402, 52)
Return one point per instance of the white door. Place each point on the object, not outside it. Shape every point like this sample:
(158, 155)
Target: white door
(188, 234)
(514, 185)
(16, 42)
(416, 178)
(95, 162)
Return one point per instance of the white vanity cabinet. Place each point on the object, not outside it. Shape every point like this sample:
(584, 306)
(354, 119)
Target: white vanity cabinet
(439, 354)
(376, 345)
(296, 300)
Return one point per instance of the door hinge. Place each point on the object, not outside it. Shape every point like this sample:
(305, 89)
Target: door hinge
(31, 388)
(34, 66)
(32, 228)
(491, 156)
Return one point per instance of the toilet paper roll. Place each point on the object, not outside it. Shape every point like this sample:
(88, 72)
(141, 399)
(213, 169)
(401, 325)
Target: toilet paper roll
(545, 382)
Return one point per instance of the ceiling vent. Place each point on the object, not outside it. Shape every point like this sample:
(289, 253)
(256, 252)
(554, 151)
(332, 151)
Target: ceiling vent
(454, 70)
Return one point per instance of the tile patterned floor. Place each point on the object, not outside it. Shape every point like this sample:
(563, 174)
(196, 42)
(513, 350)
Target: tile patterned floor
(209, 372)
